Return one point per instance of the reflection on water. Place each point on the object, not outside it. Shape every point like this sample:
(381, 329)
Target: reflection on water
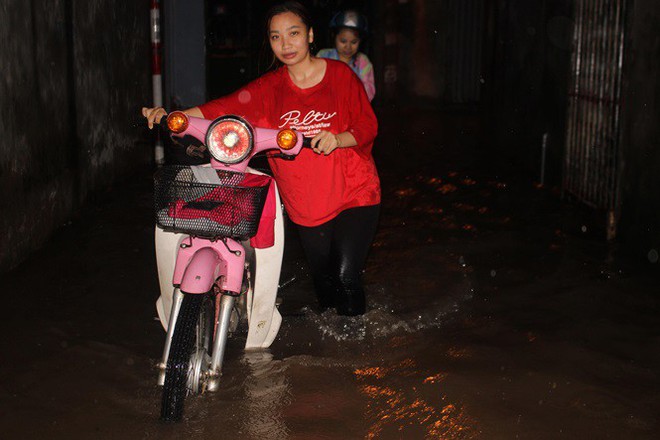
(402, 409)
(267, 392)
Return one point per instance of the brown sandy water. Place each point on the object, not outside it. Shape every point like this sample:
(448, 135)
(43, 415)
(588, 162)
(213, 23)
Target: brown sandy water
(493, 315)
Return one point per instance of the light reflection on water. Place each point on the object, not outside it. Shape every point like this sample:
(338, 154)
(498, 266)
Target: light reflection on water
(400, 409)
(342, 377)
(400, 401)
(267, 392)
(361, 379)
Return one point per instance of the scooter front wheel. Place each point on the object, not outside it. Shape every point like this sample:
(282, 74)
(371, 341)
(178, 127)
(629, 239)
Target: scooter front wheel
(178, 363)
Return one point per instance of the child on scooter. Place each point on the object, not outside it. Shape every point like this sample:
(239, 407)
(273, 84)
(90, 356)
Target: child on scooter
(331, 192)
(348, 30)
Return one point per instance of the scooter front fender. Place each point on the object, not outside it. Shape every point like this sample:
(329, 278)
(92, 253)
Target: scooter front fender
(204, 268)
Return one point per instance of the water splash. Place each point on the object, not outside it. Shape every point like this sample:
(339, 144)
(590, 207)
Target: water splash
(384, 320)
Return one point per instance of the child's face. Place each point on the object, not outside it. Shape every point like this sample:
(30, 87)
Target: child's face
(347, 43)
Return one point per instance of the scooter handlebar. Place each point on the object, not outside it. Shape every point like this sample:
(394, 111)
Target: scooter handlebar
(188, 140)
(163, 124)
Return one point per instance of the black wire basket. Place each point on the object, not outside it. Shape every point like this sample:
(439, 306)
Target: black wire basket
(185, 205)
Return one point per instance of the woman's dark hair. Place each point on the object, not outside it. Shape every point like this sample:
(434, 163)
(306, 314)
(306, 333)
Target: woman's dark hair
(289, 6)
(294, 7)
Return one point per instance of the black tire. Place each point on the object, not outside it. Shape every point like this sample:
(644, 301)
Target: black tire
(183, 342)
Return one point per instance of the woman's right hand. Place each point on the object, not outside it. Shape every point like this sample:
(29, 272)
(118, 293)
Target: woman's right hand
(153, 115)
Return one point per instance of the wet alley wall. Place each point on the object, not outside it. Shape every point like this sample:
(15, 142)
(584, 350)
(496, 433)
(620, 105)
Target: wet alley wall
(640, 139)
(72, 71)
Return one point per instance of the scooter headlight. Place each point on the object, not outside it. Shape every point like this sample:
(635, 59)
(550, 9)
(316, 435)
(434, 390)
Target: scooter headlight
(229, 139)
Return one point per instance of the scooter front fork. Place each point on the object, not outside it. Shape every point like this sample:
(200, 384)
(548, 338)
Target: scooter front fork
(177, 299)
(220, 341)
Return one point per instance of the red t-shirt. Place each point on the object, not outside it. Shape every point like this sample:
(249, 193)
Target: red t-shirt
(314, 188)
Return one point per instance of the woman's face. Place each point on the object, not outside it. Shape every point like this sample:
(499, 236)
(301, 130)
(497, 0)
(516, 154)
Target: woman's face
(347, 43)
(289, 38)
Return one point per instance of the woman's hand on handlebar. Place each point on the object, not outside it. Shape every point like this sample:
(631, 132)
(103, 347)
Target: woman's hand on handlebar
(153, 115)
(325, 142)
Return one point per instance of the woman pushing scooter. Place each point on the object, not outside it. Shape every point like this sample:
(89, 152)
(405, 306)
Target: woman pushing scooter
(332, 191)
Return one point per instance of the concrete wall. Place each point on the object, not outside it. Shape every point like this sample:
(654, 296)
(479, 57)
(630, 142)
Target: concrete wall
(73, 75)
(639, 227)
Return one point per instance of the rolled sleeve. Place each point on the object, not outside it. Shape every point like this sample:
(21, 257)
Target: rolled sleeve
(363, 124)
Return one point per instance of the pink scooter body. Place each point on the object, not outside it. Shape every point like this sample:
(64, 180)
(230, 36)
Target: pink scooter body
(200, 264)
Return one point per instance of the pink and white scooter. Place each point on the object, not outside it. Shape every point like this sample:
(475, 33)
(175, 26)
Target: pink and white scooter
(219, 247)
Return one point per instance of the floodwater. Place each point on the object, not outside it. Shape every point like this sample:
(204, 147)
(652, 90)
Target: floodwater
(495, 312)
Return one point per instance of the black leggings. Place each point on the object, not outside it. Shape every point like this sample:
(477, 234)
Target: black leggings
(336, 252)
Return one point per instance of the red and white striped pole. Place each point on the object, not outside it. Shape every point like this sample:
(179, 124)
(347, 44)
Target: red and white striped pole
(156, 78)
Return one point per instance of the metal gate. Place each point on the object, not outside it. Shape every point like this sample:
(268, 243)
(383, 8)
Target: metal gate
(591, 162)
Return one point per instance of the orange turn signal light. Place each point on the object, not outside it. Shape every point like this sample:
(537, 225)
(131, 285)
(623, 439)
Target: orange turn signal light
(287, 139)
(177, 122)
